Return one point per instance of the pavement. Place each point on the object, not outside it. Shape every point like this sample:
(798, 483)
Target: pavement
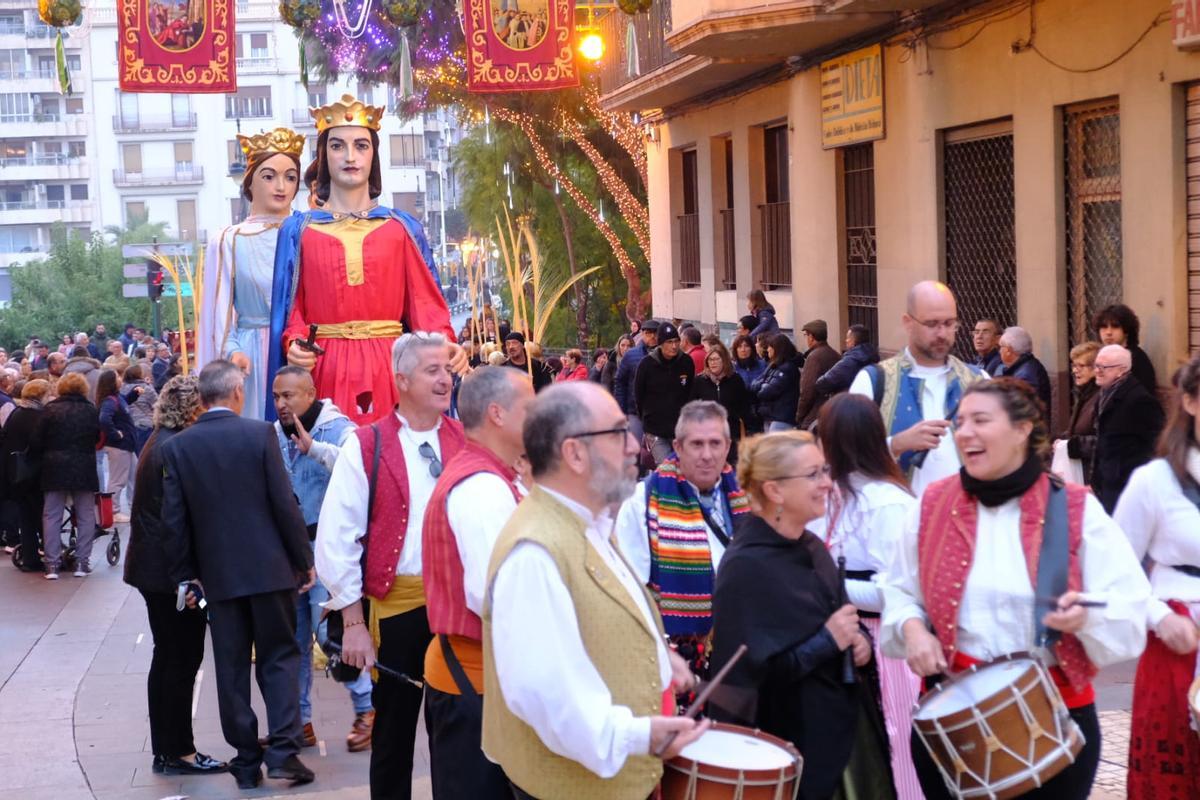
(74, 655)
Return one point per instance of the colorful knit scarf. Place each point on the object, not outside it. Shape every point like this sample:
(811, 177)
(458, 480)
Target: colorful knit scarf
(681, 573)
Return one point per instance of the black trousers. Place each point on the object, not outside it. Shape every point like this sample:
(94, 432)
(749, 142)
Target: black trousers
(1073, 783)
(458, 768)
(268, 622)
(178, 651)
(402, 643)
(29, 505)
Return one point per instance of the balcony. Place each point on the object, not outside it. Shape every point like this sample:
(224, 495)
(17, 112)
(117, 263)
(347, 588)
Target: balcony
(300, 116)
(728, 251)
(776, 245)
(12, 29)
(257, 64)
(257, 11)
(45, 212)
(48, 167)
(768, 30)
(29, 126)
(42, 81)
(689, 250)
(180, 176)
(15, 258)
(167, 124)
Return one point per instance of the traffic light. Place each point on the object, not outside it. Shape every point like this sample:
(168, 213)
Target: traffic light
(154, 281)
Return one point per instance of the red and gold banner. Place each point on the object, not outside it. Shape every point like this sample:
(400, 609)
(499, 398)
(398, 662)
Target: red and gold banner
(176, 46)
(520, 45)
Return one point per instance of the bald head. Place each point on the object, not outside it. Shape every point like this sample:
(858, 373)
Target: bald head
(293, 392)
(1112, 364)
(931, 322)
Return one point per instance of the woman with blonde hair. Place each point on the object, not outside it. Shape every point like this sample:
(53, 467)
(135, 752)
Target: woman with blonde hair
(778, 593)
(178, 635)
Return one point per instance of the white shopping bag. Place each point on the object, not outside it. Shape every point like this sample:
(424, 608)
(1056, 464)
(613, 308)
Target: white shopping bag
(1065, 467)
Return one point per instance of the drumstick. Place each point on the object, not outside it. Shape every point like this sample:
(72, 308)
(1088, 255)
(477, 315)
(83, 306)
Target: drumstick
(702, 698)
(1053, 603)
(848, 675)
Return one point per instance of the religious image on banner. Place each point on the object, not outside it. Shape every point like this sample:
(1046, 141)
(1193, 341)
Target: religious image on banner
(177, 46)
(520, 45)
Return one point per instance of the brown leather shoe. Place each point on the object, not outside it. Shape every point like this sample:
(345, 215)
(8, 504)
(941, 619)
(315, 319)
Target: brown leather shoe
(308, 737)
(360, 732)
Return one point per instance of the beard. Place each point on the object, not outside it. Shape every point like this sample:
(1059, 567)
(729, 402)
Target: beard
(612, 483)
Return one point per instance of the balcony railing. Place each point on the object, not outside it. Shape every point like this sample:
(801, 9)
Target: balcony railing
(158, 177)
(11, 29)
(619, 66)
(776, 245)
(689, 250)
(44, 160)
(140, 124)
(300, 116)
(728, 250)
(256, 64)
(29, 205)
(42, 32)
(31, 117)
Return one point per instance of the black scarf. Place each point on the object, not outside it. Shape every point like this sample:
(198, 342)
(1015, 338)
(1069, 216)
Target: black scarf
(1000, 491)
(308, 419)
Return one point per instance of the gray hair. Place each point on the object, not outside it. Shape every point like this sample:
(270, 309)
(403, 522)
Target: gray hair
(406, 347)
(80, 337)
(1018, 339)
(484, 386)
(556, 415)
(700, 411)
(218, 381)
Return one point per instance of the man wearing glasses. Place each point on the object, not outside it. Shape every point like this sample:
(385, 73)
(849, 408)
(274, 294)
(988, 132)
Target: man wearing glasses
(380, 486)
(985, 338)
(1128, 421)
(918, 389)
(579, 679)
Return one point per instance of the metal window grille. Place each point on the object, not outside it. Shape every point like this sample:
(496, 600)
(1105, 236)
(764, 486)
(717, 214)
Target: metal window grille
(1193, 210)
(981, 252)
(689, 250)
(728, 250)
(1092, 152)
(862, 288)
(776, 245)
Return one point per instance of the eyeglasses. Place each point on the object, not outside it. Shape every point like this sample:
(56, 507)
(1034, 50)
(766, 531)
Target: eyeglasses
(981, 331)
(1103, 367)
(824, 471)
(1076, 365)
(950, 325)
(435, 464)
(621, 429)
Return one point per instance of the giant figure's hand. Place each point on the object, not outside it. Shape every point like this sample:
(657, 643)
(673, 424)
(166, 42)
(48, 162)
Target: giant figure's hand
(459, 361)
(241, 361)
(297, 356)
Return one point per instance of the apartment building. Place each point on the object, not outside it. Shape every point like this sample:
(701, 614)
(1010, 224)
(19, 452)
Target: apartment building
(102, 157)
(46, 160)
(1042, 159)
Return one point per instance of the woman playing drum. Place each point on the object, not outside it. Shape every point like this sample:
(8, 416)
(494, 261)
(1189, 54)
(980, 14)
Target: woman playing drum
(778, 593)
(961, 587)
(1160, 512)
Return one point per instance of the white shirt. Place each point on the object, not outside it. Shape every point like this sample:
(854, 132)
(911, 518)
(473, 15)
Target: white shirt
(545, 674)
(477, 510)
(633, 534)
(869, 529)
(996, 613)
(1163, 524)
(943, 460)
(343, 520)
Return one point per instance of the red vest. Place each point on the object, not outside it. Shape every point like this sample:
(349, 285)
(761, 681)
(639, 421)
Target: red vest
(946, 548)
(389, 518)
(441, 563)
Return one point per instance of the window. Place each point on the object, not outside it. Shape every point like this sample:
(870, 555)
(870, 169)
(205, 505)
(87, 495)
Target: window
(135, 213)
(79, 191)
(858, 219)
(407, 149)
(56, 194)
(77, 149)
(14, 107)
(183, 156)
(237, 210)
(12, 64)
(48, 107)
(728, 232)
(1092, 152)
(17, 240)
(776, 230)
(181, 111)
(234, 153)
(185, 211)
(131, 158)
(51, 148)
(74, 105)
(127, 102)
(316, 96)
(689, 225)
(258, 45)
(74, 64)
(410, 202)
(14, 149)
(775, 152)
(251, 101)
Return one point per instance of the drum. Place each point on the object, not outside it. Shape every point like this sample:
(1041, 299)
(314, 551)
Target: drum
(730, 762)
(998, 729)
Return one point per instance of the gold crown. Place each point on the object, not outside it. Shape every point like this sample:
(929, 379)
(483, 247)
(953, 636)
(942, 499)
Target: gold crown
(347, 112)
(280, 140)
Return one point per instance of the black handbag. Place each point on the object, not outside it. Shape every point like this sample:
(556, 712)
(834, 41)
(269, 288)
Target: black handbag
(21, 467)
(334, 627)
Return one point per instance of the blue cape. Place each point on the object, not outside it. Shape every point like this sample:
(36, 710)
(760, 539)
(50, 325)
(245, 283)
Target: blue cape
(287, 276)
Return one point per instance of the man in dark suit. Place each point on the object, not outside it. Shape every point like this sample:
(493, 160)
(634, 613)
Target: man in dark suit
(819, 359)
(233, 525)
(1128, 421)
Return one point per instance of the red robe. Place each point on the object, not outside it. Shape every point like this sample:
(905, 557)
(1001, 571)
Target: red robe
(396, 286)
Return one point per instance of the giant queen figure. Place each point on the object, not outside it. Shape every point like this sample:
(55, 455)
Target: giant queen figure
(361, 272)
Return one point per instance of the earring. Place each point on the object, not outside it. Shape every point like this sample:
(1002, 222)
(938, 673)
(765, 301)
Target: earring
(778, 514)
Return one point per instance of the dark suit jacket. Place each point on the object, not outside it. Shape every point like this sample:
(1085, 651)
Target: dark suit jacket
(1128, 422)
(228, 513)
(819, 360)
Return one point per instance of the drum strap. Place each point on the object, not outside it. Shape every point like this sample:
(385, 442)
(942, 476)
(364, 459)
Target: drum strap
(1053, 560)
(1192, 492)
(460, 675)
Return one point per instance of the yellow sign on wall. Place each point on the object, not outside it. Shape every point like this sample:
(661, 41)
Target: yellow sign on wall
(852, 98)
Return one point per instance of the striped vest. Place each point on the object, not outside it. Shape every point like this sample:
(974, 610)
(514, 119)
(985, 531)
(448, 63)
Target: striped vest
(681, 571)
(441, 563)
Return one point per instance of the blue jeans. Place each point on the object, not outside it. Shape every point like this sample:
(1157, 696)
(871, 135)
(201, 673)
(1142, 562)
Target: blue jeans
(308, 624)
